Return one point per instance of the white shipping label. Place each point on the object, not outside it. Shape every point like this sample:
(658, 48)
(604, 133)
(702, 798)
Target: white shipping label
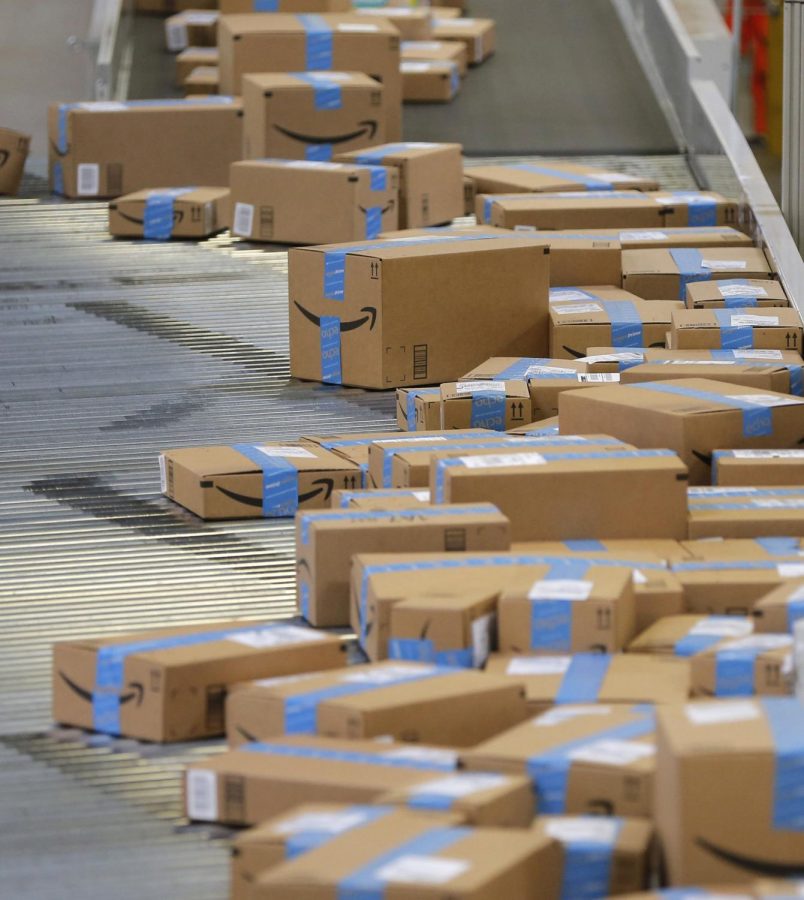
(768, 454)
(538, 665)
(501, 460)
(767, 400)
(310, 164)
(741, 290)
(719, 491)
(758, 354)
(162, 474)
(276, 636)
(482, 628)
(790, 570)
(625, 356)
(413, 66)
(199, 17)
(460, 23)
(103, 106)
(469, 387)
(410, 440)
(761, 642)
(598, 377)
(422, 45)
(243, 219)
(461, 785)
(722, 711)
(798, 594)
(328, 822)
(202, 795)
(723, 265)
(424, 496)
(287, 452)
(356, 26)
(702, 362)
(548, 370)
(284, 679)
(329, 76)
(754, 320)
(638, 577)
(558, 715)
(722, 626)
(614, 177)
(560, 589)
(424, 754)
(578, 308)
(388, 674)
(418, 869)
(779, 503)
(176, 34)
(589, 829)
(558, 294)
(87, 176)
(612, 752)
(643, 236)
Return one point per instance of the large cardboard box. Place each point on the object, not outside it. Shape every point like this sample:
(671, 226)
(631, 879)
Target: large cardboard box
(310, 115)
(780, 609)
(549, 176)
(723, 749)
(739, 292)
(159, 215)
(429, 81)
(14, 148)
(169, 684)
(326, 542)
(686, 635)
(496, 405)
(744, 666)
(307, 202)
(764, 375)
(693, 416)
(696, 208)
(479, 36)
(363, 314)
(430, 180)
(418, 409)
(642, 239)
(758, 467)
(582, 759)
(570, 209)
(756, 513)
(728, 549)
(664, 274)
(387, 498)
(193, 58)
(189, 27)
(435, 51)
(627, 493)
(741, 329)
(247, 481)
(304, 43)
(105, 149)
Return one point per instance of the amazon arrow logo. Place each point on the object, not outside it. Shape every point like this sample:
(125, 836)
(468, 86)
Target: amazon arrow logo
(4, 154)
(383, 211)
(345, 326)
(369, 129)
(178, 215)
(137, 693)
(760, 867)
(251, 738)
(705, 458)
(327, 485)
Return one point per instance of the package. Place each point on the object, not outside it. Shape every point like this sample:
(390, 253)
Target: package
(203, 80)
(780, 609)
(425, 861)
(761, 374)
(96, 149)
(418, 409)
(686, 635)
(193, 58)
(541, 428)
(307, 202)
(660, 551)
(346, 42)
(595, 678)
(739, 292)
(610, 359)
(435, 51)
(479, 36)
(362, 314)
(326, 542)
(387, 498)
(190, 27)
(430, 181)
(604, 856)
(758, 467)
(14, 148)
(664, 274)
(169, 684)
(429, 82)
(744, 514)
(570, 209)
(722, 748)
(284, 6)
(550, 176)
(737, 329)
(248, 481)
(722, 549)
(744, 666)
(496, 405)
(627, 493)
(586, 317)
(159, 215)
(696, 208)
(693, 416)
(310, 115)
(412, 23)
(582, 759)
(705, 236)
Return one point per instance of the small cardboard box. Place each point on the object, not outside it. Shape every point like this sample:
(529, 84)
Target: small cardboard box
(190, 27)
(758, 467)
(14, 148)
(610, 359)
(549, 176)
(758, 513)
(686, 635)
(192, 58)
(436, 51)
(431, 81)
(248, 481)
(307, 202)
(479, 36)
(160, 215)
(98, 149)
(327, 540)
(713, 549)
(496, 405)
(693, 416)
(721, 749)
(664, 274)
(744, 666)
(285, 6)
(418, 409)
(739, 292)
(202, 80)
(606, 756)
(310, 115)
(430, 181)
(779, 610)
(412, 23)
(169, 684)
(570, 209)
(760, 374)
(422, 862)
(618, 679)
(627, 493)
(387, 498)
(705, 236)
(740, 329)
(696, 208)
(346, 42)
(384, 331)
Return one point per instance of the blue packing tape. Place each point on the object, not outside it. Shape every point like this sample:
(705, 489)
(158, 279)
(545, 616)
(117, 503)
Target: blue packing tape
(697, 496)
(780, 546)
(305, 840)
(454, 79)
(590, 182)
(734, 671)
(58, 177)
(327, 93)
(472, 441)
(488, 205)
(691, 644)
(740, 565)
(795, 611)
(588, 864)
(318, 152)
(378, 177)
(701, 210)
(410, 407)
(787, 729)
(488, 410)
(424, 650)
(585, 546)
(373, 222)
(584, 678)
(330, 329)
(690, 269)
(547, 430)
(159, 213)
(741, 301)
(516, 371)
(304, 600)
(280, 481)
(318, 42)
(733, 337)
(626, 324)
(347, 756)
(551, 620)
(266, 6)
(790, 503)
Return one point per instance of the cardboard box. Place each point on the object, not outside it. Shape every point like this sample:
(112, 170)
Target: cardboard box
(190, 27)
(686, 635)
(14, 148)
(735, 292)
(305, 202)
(705, 236)
(758, 513)
(418, 409)
(96, 149)
(169, 684)
(712, 549)
(610, 359)
(627, 493)
(542, 428)
(740, 329)
(604, 856)
(284, 6)
(659, 551)
(693, 416)
(429, 82)
(192, 58)
(345, 42)
(582, 759)
(159, 215)
(570, 209)
(596, 679)
(721, 747)
(326, 542)
(248, 481)
(430, 181)
(780, 609)
(310, 115)
(742, 667)
(383, 330)
(763, 375)
(479, 36)
(202, 80)
(427, 861)
(496, 405)
(697, 208)
(436, 51)
(388, 498)
(550, 176)
(758, 467)
(412, 23)
(664, 274)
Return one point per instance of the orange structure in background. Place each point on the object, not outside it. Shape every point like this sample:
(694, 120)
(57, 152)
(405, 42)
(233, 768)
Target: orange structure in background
(754, 42)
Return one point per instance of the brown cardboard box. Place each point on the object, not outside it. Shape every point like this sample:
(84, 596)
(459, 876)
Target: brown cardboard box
(247, 481)
(190, 27)
(169, 684)
(436, 51)
(687, 415)
(660, 551)
(780, 609)
(715, 235)
(327, 540)
(202, 80)
(97, 149)
(412, 23)
(542, 428)
(171, 213)
(756, 513)
(741, 667)
(741, 292)
(431, 81)
(626, 678)
(582, 759)
(551, 175)
(307, 202)
(14, 148)
(610, 359)
(723, 749)
(758, 467)
(696, 208)
(479, 36)
(686, 635)
(664, 274)
(192, 58)
(310, 115)
(389, 498)
(384, 331)
(422, 863)
(496, 405)
(714, 549)
(626, 845)
(469, 194)
(627, 493)
(430, 181)
(750, 329)
(570, 209)
(760, 374)
(418, 409)
(287, 43)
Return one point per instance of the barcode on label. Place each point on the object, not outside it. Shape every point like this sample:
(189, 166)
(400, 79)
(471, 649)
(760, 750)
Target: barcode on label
(202, 795)
(176, 35)
(162, 474)
(419, 361)
(586, 377)
(87, 179)
(243, 219)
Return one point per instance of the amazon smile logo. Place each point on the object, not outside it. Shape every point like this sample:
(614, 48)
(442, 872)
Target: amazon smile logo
(758, 866)
(383, 211)
(327, 484)
(368, 128)
(135, 692)
(371, 316)
(178, 215)
(4, 154)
